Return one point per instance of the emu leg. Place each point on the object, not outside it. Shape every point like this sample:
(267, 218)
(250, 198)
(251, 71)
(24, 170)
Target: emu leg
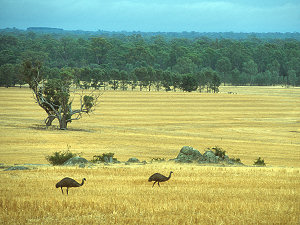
(67, 190)
(62, 190)
(158, 184)
(153, 183)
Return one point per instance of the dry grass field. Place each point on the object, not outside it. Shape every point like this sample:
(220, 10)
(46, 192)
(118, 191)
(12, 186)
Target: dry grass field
(255, 122)
(122, 195)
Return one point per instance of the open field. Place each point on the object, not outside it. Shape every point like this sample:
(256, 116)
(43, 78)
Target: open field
(257, 121)
(264, 123)
(122, 195)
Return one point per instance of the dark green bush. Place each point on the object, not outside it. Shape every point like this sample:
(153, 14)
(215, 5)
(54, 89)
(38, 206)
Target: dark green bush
(236, 160)
(58, 158)
(101, 158)
(219, 152)
(88, 102)
(259, 162)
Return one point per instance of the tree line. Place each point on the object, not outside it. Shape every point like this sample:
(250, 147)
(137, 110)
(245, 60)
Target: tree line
(151, 62)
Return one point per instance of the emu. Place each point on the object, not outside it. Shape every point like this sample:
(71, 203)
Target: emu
(68, 182)
(157, 177)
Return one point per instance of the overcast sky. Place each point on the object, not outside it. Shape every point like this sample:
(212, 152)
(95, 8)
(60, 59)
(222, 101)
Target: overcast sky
(154, 15)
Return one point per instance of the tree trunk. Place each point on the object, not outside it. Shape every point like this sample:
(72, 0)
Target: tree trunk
(49, 120)
(141, 86)
(63, 123)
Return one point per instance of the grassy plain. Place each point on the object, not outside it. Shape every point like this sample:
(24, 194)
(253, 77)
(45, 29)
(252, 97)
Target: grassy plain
(257, 121)
(122, 195)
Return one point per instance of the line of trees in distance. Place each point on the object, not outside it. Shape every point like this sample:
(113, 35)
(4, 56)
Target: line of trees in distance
(152, 62)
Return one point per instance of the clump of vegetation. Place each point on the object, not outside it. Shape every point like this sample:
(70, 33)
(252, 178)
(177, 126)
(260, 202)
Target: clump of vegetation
(259, 162)
(88, 102)
(219, 152)
(236, 160)
(58, 158)
(158, 159)
(104, 157)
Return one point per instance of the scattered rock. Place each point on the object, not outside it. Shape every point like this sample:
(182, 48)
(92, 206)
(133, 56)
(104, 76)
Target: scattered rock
(81, 165)
(17, 168)
(75, 161)
(188, 154)
(35, 164)
(108, 159)
(210, 157)
(133, 160)
(227, 160)
(2, 166)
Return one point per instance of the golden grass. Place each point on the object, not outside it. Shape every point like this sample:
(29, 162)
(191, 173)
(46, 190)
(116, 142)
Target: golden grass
(122, 195)
(258, 121)
(264, 123)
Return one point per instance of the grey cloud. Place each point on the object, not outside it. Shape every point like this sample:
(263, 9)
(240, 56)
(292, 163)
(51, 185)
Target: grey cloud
(153, 15)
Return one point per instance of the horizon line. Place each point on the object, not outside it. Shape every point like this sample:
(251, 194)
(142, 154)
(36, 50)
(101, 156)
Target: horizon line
(139, 31)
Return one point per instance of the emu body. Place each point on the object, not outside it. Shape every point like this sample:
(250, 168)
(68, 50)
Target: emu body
(157, 177)
(69, 182)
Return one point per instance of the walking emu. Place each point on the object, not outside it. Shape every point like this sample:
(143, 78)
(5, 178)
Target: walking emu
(68, 182)
(157, 177)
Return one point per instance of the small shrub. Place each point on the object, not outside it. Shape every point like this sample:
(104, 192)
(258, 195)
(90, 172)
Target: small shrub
(236, 160)
(259, 162)
(219, 152)
(88, 102)
(158, 159)
(101, 158)
(58, 158)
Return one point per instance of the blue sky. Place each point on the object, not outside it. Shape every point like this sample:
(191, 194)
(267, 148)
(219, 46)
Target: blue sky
(154, 15)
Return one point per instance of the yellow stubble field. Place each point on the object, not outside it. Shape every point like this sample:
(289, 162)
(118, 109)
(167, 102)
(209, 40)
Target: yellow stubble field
(255, 122)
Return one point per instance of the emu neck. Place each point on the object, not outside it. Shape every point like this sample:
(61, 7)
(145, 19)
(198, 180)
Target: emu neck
(169, 176)
(82, 182)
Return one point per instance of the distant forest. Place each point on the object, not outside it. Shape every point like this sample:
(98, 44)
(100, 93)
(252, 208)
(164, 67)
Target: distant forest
(159, 60)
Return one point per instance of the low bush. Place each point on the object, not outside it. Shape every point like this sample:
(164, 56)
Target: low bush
(219, 152)
(236, 160)
(104, 157)
(259, 162)
(158, 159)
(58, 158)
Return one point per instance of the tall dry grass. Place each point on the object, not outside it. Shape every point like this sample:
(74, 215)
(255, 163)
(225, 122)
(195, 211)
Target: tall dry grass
(258, 121)
(122, 195)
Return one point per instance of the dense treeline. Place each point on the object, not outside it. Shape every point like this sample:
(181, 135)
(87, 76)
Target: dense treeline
(153, 62)
(58, 33)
